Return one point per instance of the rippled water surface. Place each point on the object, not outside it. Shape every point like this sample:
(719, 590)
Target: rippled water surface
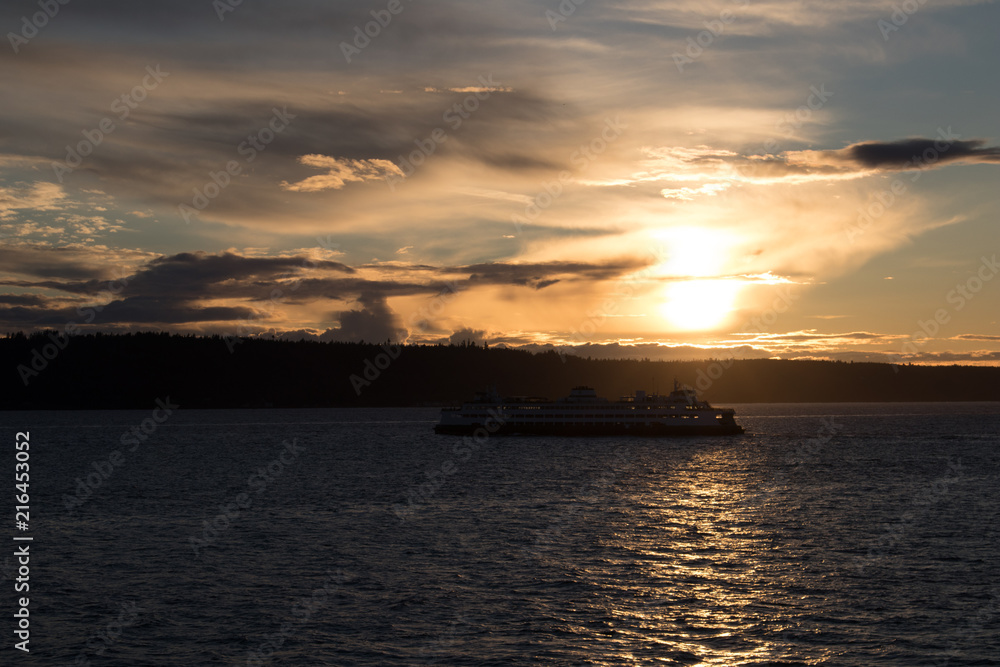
(830, 534)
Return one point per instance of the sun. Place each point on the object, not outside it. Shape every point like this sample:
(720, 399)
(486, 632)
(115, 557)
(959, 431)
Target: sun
(692, 251)
(697, 297)
(698, 305)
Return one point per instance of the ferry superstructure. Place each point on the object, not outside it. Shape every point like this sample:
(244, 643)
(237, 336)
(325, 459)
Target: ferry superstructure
(584, 413)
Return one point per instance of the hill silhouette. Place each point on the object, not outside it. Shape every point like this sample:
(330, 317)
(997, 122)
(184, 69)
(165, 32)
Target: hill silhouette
(124, 371)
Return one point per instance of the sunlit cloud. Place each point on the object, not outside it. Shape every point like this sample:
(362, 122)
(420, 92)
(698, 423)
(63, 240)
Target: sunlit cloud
(340, 172)
(688, 194)
(726, 180)
(39, 196)
(470, 89)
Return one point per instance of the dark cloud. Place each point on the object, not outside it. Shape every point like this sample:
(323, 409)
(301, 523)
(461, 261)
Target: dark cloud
(168, 290)
(544, 274)
(907, 152)
(518, 162)
(141, 311)
(192, 273)
(468, 335)
(652, 351)
(147, 310)
(818, 165)
(162, 25)
(184, 276)
(88, 288)
(184, 289)
(23, 300)
(904, 154)
(810, 336)
(949, 357)
(58, 264)
(375, 322)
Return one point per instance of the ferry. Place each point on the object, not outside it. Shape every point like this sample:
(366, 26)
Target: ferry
(584, 413)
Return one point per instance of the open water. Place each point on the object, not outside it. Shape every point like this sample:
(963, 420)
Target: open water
(829, 534)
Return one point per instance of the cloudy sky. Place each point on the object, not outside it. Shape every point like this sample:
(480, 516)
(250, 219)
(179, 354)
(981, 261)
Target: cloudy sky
(759, 179)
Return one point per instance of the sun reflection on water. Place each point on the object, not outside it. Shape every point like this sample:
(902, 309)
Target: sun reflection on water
(708, 582)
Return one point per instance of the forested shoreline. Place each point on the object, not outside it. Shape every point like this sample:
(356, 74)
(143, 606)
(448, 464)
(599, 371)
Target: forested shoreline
(132, 371)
